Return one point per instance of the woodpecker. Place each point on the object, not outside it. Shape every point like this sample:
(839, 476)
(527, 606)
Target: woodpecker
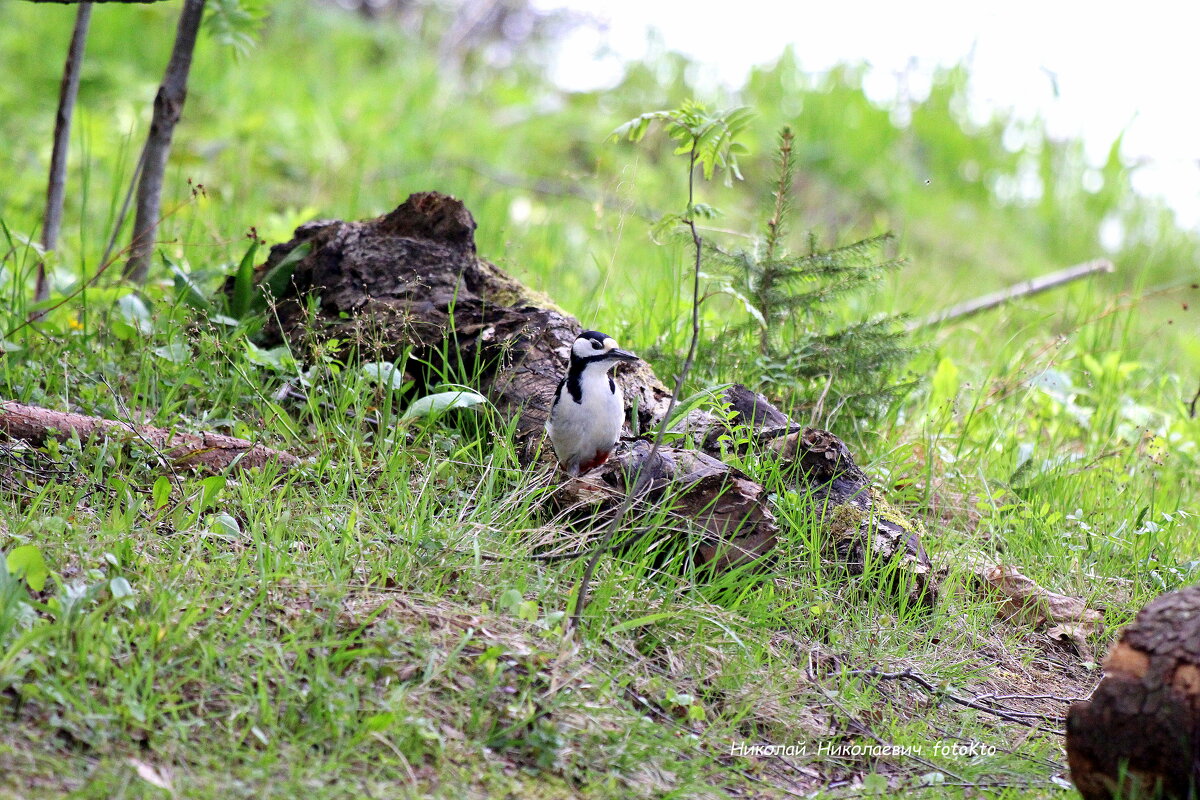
(585, 419)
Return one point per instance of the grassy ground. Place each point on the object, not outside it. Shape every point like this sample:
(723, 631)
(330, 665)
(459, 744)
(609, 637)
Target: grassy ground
(376, 623)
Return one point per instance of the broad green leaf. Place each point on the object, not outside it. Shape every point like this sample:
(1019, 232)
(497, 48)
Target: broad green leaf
(120, 588)
(176, 352)
(242, 299)
(684, 407)
(385, 373)
(29, 242)
(186, 290)
(26, 562)
(210, 488)
(275, 282)
(277, 358)
(528, 611)
(874, 783)
(134, 311)
(119, 485)
(225, 524)
(639, 622)
(510, 601)
(161, 491)
(441, 402)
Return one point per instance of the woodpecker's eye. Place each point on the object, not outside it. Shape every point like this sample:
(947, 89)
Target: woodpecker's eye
(596, 345)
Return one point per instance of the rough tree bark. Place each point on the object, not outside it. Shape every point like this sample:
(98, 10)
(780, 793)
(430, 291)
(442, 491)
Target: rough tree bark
(56, 187)
(208, 452)
(1139, 734)
(411, 278)
(168, 108)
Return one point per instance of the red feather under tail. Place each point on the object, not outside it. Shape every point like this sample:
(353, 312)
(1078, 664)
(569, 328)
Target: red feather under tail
(595, 461)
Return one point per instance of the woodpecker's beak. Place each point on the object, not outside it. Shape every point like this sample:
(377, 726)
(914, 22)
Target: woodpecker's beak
(622, 355)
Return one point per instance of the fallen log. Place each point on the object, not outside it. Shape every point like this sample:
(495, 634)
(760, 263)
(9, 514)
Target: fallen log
(411, 279)
(209, 452)
(1139, 733)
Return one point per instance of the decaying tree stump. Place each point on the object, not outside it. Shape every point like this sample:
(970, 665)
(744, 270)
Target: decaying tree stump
(1139, 734)
(412, 279)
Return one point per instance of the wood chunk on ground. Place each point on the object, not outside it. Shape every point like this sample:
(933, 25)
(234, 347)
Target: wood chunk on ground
(1139, 733)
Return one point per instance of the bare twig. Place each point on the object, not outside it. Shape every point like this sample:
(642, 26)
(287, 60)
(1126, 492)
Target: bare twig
(56, 187)
(136, 430)
(1018, 717)
(997, 697)
(1023, 289)
(819, 406)
(168, 109)
(1192, 405)
(861, 728)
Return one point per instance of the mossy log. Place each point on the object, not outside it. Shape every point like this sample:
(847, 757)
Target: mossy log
(1139, 733)
(412, 279)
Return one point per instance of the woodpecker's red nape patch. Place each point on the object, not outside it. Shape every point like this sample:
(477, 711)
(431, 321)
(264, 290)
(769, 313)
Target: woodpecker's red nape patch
(595, 461)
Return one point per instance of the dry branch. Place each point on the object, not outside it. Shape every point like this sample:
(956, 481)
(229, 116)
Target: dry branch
(1139, 734)
(208, 452)
(411, 279)
(1023, 289)
(1022, 600)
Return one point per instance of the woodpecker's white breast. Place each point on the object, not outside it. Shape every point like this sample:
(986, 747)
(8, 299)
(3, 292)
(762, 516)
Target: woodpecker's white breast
(581, 430)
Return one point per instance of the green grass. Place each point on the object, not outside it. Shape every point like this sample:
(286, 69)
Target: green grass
(381, 621)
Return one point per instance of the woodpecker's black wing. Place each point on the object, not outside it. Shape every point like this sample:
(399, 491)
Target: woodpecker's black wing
(558, 390)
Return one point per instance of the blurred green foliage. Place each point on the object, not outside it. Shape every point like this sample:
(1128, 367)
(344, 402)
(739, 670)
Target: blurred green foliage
(333, 115)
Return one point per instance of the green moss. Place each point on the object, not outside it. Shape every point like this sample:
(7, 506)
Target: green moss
(846, 520)
(885, 510)
(507, 291)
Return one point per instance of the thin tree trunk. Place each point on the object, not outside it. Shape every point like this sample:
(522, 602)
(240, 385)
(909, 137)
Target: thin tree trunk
(52, 222)
(168, 108)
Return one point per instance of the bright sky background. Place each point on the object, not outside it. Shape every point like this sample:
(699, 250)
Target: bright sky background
(1132, 67)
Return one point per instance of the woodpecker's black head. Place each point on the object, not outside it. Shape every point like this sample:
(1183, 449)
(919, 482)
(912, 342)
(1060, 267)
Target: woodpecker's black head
(593, 347)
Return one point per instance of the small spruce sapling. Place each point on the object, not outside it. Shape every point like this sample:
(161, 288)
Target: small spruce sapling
(805, 349)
